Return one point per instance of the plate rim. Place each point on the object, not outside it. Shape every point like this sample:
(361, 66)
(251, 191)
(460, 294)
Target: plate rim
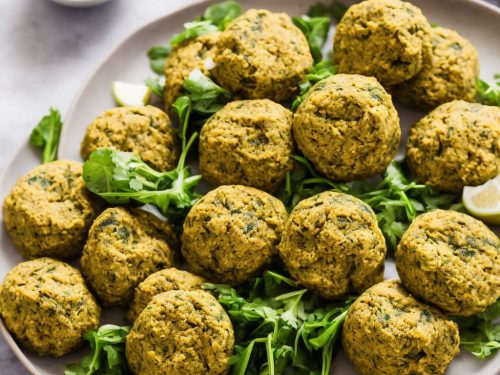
(13, 345)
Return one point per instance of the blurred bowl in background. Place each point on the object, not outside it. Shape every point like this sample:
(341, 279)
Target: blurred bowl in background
(80, 3)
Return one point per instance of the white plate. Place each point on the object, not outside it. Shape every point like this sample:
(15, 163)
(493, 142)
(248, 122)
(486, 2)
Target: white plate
(479, 22)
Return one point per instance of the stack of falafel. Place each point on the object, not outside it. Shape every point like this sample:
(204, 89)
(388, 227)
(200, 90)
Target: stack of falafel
(347, 127)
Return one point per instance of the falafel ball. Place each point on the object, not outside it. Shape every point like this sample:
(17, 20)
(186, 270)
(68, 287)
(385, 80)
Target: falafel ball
(124, 247)
(248, 142)
(347, 127)
(451, 260)
(145, 131)
(387, 331)
(47, 307)
(386, 39)
(181, 333)
(333, 246)
(160, 282)
(49, 211)
(262, 55)
(450, 75)
(232, 233)
(456, 145)
(194, 54)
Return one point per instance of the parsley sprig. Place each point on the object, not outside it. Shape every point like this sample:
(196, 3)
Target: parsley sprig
(107, 356)
(280, 326)
(122, 177)
(46, 135)
(480, 333)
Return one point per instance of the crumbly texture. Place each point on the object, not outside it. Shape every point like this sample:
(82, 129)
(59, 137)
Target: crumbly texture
(389, 332)
(181, 333)
(194, 54)
(160, 282)
(124, 247)
(49, 211)
(233, 233)
(451, 260)
(348, 127)
(46, 306)
(456, 145)
(248, 142)
(386, 39)
(333, 246)
(262, 55)
(145, 131)
(450, 74)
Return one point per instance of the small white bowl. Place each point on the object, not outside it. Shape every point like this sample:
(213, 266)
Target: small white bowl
(80, 3)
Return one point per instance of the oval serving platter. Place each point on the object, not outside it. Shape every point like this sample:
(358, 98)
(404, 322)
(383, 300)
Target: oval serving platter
(477, 21)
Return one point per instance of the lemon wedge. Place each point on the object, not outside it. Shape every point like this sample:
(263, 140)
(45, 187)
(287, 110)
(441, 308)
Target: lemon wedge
(483, 201)
(130, 95)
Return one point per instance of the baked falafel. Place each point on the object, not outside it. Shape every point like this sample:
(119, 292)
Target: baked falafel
(347, 127)
(450, 74)
(49, 211)
(451, 260)
(333, 246)
(181, 333)
(47, 307)
(262, 55)
(387, 331)
(248, 142)
(160, 282)
(386, 39)
(124, 247)
(194, 54)
(456, 145)
(146, 131)
(232, 233)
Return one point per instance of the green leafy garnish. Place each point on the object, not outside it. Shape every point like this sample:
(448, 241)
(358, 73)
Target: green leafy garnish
(280, 327)
(215, 18)
(156, 84)
(206, 96)
(489, 94)
(122, 177)
(45, 136)
(316, 30)
(395, 200)
(479, 334)
(221, 14)
(336, 10)
(107, 356)
(320, 71)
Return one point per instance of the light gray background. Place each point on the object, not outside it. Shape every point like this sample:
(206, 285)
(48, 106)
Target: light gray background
(46, 53)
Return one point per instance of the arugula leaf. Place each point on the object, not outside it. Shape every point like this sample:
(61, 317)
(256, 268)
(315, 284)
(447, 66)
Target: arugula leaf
(316, 30)
(157, 56)
(480, 333)
(193, 30)
(320, 71)
(107, 356)
(221, 14)
(206, 96)
(336, 10)
(280, 327)
(489, 94)
(45, 136)
(122, 177)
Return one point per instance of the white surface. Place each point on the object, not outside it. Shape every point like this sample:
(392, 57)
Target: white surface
(51, 49)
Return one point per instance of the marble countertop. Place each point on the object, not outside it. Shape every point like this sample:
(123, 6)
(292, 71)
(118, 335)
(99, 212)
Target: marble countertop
(47, 52)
